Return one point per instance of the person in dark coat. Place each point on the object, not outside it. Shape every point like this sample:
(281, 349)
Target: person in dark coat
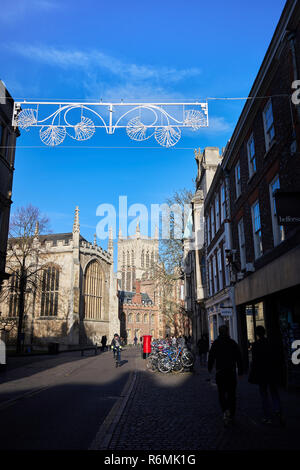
(116, 347)
(264, 372)
(103, 342)
(203, 347)
(226, 355)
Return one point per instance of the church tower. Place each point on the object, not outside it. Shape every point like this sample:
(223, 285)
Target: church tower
(135, 256)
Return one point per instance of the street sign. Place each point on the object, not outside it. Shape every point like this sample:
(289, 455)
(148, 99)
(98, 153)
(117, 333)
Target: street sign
(226, 311)
(287, 207)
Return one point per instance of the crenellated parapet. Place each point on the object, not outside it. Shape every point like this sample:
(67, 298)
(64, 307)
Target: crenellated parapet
(95, 250)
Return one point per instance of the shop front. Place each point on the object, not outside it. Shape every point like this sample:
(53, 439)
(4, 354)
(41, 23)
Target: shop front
(221, 311)
(279, 314)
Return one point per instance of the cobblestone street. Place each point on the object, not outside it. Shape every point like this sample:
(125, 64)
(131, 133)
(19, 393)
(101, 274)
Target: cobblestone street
(181, 412)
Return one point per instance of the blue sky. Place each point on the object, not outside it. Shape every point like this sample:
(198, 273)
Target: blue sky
(135, 50)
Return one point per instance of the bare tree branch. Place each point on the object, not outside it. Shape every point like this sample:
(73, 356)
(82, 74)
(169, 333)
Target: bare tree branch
(24, 260)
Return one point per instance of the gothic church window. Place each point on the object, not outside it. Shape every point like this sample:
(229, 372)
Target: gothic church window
(128, 279)
(50, 288)
(143, 259)
(14, 291)
(93, 291)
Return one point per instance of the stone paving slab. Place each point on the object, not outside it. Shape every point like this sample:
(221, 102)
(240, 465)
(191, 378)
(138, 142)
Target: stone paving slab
(181, 412)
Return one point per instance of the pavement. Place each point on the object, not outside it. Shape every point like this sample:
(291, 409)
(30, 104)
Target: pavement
(59, 402)
(181, 412)
(73, 402)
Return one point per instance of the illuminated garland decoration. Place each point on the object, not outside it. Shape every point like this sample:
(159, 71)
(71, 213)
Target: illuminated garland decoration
(146, 120)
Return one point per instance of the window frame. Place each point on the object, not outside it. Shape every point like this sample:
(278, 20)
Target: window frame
(242, 242)
(210, 277)
(268, 139)
(217, 215)
(212, 221)
(208, 229)
(278, 230)
(251, 157)
(257, 239)
(50, 291)
(220, 268)
(237, 176)
(215, 273)
(223, 203)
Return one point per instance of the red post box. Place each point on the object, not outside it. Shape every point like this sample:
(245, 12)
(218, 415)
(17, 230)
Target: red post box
(146, 345)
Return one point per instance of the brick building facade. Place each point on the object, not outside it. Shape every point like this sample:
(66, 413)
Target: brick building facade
(8, 136)
(262, 157)
(251, 261)
(139, 315)
(219, 302)
(195, 268)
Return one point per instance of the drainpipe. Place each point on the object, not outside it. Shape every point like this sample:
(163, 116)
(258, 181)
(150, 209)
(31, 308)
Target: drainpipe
(292, 42)
(229, 246)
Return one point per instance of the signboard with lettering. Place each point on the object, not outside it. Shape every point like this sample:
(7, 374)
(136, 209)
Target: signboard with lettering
(287, 207)
(226, 311)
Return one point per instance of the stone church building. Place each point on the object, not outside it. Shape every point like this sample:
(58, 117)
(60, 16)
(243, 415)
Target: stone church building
(139, 297)
(76, 302)
(135, 256)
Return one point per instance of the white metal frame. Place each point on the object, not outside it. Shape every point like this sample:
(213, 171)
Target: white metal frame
(141, 120)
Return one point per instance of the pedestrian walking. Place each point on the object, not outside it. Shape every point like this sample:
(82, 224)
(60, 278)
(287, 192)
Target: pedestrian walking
(203, 347)
(135, 340)
(226, 356)
(264, 372)
(103, 342)
(116, 346)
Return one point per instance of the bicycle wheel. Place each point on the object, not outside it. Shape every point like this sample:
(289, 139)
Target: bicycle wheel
(151, 363)
(164, 365)
(178, 366)
(187, 359)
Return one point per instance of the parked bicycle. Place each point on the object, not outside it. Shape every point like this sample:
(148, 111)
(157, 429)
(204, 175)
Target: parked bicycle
(166, 358)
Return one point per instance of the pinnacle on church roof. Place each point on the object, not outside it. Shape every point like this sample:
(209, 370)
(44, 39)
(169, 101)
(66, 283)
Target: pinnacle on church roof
(138, 231)
(110, 246)
(36, 230)
(76, 225)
